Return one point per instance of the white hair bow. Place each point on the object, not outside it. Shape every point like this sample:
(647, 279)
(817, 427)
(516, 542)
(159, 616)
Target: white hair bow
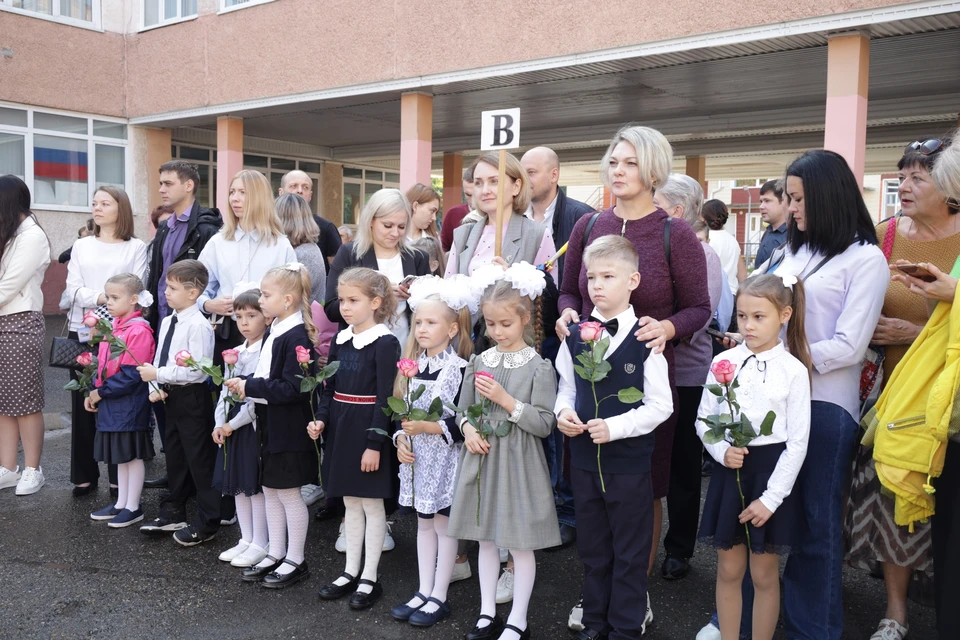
(243, 287)
(526, 279)
(144, 299)
(788, 280)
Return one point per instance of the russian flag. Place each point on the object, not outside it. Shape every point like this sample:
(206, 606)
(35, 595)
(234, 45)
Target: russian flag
(60, 164)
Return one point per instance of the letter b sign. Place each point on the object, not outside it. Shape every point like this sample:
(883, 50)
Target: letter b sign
(500, 129)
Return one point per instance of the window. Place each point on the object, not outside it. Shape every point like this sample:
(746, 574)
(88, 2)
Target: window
(359, 184)
(891, 198)
(157, 13)
(62, 157)
(233, 5)
(79, 13)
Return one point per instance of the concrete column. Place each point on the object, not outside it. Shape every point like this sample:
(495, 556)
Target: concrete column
(452, 180)
(416, 139)
(697, 169)
(157, 151)
(229, 156)
(848, 71)
(331, 192)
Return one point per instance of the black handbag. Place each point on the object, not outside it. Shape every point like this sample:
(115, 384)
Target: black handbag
(64, 350)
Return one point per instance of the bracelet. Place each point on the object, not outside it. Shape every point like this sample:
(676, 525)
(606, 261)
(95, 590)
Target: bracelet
(515, 414)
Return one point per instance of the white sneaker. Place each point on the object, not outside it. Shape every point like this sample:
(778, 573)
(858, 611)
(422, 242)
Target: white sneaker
(388, 541)
(9, 478)
(341, 544)
(709, 632)
(648, 616)
(30, 481)
(504, 556)
(575, 621)
(461, 571)
(505, 587)
(229, 523)
(233, 552)
(312, 493)
(254, 555)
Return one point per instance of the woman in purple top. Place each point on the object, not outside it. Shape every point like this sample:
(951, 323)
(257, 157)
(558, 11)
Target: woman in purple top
(671, 302)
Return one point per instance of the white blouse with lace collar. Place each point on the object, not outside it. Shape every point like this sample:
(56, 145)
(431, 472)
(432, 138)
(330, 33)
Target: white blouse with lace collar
(511, 359)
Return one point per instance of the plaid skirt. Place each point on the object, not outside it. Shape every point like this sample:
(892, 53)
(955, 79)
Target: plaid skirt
(21, 363)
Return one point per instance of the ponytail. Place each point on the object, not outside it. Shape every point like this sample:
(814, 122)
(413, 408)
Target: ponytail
(294, 279)
(313, 333)
(796, 333)
(464, 343)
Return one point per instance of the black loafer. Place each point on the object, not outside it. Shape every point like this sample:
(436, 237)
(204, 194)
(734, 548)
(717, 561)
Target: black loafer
(324, 513)
(257, 574)
(156, 483)
(421, 618)
(274, 580)
(361, 600)
(674, 568)
(335, 591)
(591, 634)
(490, 632)
(402, 612)
(82, 491)
(524, 635)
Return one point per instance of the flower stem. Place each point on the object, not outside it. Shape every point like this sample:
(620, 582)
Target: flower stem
(743, 505)
(596, 415)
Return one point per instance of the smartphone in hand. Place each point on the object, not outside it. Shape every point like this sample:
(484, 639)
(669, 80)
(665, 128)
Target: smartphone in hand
(720, 335)
(916, 271)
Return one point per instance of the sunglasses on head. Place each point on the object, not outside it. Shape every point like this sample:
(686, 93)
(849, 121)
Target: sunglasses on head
(925, 147)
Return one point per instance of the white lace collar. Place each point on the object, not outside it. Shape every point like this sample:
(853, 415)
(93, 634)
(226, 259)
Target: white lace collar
(511, 360)
(432, 364)
(364, 338)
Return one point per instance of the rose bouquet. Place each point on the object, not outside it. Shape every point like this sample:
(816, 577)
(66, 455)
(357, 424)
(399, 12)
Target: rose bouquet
(309, 384)
(84, 381)
(217, 376)
(102, 331)
(593, 368)
(733, 426)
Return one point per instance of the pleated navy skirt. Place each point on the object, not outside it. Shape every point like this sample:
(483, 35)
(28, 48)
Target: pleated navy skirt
(237, 469)
(118, 447)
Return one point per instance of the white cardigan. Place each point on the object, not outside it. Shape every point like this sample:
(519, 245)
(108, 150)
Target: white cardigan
(21, 271)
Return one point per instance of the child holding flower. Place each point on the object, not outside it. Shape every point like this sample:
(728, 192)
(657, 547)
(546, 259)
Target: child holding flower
(611, 441)
(749, 501)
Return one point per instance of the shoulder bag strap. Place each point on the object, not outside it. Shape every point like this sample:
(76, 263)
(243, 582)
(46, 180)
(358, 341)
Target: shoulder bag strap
(586, 232)
(890, 236)
(666, 251)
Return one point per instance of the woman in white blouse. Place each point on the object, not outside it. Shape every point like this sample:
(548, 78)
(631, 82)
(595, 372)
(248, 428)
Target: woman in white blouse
(111, 250)
(250, 243)
(715, 214)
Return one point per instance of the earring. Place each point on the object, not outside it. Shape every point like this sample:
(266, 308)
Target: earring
(286, 306)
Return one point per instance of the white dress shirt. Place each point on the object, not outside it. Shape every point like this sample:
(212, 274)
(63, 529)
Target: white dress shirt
(244, 259)
(547, 214)
(657, 404)
(249, 355)
(774, 381)
(193, 333)
(844, 299)
(92, 263)
(728, 249)
(277, 329)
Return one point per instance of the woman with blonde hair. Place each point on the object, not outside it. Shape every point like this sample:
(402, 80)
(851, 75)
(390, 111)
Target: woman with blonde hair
(302, 232)
(250, 243)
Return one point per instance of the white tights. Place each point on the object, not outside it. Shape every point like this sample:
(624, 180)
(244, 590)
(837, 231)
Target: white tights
(286, 511)
(436, 555)
(524, 575)
(252, 517)
(365, 524)
(129, 484)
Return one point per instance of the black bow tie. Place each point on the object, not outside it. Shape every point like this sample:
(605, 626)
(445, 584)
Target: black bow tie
(610, 325)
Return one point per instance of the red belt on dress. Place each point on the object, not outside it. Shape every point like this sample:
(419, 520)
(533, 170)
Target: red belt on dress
(342, 397)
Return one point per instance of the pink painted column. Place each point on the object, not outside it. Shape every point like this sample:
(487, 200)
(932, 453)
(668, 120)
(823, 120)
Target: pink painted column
(229, 156)
(416, 139)
(848, 75)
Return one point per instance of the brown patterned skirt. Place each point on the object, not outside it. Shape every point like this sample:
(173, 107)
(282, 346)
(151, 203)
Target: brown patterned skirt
(21, 363)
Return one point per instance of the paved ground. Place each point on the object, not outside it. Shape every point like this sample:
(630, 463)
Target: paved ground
(66, 576)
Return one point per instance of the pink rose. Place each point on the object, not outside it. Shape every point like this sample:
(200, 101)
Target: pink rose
(590, 331)
(230, 356)
(85, 359)
(724, 371)
(182, 358)
(303, 355)
(90, 319)
(408, 368)
(483, 374)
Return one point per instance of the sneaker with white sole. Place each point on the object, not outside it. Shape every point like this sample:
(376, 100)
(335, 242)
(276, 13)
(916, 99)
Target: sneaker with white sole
(647, 617)
(575, 621)
(30, 481)
(388, 541)
(504, 556)
(228, 523)
(461, 571)
(505, 587)
(312, 493)
(9, 478)
(233, 552)
(253, 556)
(341, 544)
(709, 632)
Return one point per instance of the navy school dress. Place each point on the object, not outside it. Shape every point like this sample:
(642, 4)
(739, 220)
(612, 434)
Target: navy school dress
(237, 469)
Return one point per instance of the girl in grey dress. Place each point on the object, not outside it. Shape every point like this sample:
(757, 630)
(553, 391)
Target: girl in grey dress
(503, 496)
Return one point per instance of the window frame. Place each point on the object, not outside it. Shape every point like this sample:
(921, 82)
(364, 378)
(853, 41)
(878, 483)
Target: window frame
(162, 21)
(891, 187)
(223, 8)
(30, 132)
(384, 184)
(96, 23)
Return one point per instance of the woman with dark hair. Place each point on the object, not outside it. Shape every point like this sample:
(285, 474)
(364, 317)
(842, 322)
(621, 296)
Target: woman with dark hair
(111, 250)
(715, 214)
(24, 256)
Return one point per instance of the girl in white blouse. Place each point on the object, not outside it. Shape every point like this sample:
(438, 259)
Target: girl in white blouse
(751, 491)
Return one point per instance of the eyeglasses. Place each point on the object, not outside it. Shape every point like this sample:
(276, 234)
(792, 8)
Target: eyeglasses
(925, 147)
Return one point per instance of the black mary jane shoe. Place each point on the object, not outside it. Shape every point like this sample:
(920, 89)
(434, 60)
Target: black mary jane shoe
(361, 600)
(274, 580)
(590, 634)
(257, 574)
(402, 612)
(335, 591)
(490, 632)
(524, 635)
(421, 618)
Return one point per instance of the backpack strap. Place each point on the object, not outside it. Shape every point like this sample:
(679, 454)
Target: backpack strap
(586, 232)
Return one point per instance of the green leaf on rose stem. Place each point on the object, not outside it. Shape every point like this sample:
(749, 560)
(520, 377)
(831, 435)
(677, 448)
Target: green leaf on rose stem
(453, 408)
(630, 395)
(735, 384)
(417, 393)
(600, 350)
(398, 406)
(581, 372)
(417, 414)
(715, 389)
(475, 410)
(380, 431)
(503, 429)
(474, 422)
(732, 396)
(307, 385)
(73, 385)
(726, 419)
(746, 427)
(584, 359)
(711, 437)
(217, 379)
(436, 407)
(766, 427)
(601, 370)
(328, 370)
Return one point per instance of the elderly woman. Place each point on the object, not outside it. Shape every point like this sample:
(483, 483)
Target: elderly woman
(302, 232)
(925, 231)
(681, 197)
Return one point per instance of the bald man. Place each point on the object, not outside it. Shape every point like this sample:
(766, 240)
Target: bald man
(301, 184)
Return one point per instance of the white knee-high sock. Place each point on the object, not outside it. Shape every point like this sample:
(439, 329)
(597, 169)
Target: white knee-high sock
(376, 531)
(524, 575)
(276, 525)
(353, 529)
(245, 518)
(488, 570)
(426, 557)
(123, 472)
(446, 557)
(135, 474)
(259, 520)
(298, 519)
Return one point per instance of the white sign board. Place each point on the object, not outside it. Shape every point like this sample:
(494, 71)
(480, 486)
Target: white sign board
(500, 129)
